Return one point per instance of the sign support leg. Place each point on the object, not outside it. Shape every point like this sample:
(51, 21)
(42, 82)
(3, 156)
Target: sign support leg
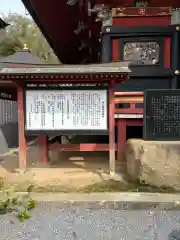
(112, 160)
(22, 139)
(43, 149)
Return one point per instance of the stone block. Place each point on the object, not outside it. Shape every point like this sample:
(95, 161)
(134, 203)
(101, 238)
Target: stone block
(153, 162)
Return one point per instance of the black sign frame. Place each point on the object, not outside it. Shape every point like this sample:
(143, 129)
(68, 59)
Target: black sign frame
(137, 33)
(66, 86)
(149, 118)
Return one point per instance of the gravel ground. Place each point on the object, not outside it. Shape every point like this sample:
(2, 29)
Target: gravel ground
(50, 222)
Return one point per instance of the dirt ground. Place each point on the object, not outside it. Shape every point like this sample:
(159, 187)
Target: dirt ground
(64, 169)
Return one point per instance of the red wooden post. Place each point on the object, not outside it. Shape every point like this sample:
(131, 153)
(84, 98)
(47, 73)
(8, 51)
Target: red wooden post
(121, 138)
(112, 160)
(43, 149)
(22, 139)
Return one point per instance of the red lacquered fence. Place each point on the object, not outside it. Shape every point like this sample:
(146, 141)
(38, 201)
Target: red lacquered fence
(131, 99)
(130, 116)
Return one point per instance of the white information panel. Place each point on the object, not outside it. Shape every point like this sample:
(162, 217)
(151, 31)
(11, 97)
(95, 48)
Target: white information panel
(66, 110)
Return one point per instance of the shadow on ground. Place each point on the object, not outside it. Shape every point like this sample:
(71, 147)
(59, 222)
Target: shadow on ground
(65, 168)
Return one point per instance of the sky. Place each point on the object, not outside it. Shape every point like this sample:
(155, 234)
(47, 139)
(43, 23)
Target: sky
(15, 6)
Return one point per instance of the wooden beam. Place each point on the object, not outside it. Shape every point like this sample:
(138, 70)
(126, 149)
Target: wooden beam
(85, 147)
(112, 160)
(22, 139)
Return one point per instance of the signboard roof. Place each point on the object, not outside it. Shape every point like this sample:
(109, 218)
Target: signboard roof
(88, 69)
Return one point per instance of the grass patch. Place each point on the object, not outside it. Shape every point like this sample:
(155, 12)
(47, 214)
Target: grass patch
(54, 189)
(106, 186)
(116, 186)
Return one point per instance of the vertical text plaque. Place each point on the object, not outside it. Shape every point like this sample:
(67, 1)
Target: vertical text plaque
(162, 115)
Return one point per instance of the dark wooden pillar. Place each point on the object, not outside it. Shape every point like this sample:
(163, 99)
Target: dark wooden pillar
(22, 139)
(43, 149)
(175, 58)
(106, 49)
(121, 139)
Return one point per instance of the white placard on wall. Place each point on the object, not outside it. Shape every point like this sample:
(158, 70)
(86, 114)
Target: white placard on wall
(66, 110)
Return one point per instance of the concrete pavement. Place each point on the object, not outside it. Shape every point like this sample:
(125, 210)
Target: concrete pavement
(51, 221)
(105, 196)
(109, 200)
(101, 216)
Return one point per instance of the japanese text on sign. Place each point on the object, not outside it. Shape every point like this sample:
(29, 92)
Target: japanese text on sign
(165, 110)
(66, 110)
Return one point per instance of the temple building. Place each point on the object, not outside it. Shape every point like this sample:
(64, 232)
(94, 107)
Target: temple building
(130, 46)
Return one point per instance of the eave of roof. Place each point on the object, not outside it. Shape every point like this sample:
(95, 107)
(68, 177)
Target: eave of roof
(66, 57)
(118, 68)
(3, 24)
(28, 5)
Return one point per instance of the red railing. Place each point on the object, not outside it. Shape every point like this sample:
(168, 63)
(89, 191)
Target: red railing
(131, 99)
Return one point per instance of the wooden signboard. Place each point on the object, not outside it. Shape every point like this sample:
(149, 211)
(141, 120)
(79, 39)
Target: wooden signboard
(79, 110)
